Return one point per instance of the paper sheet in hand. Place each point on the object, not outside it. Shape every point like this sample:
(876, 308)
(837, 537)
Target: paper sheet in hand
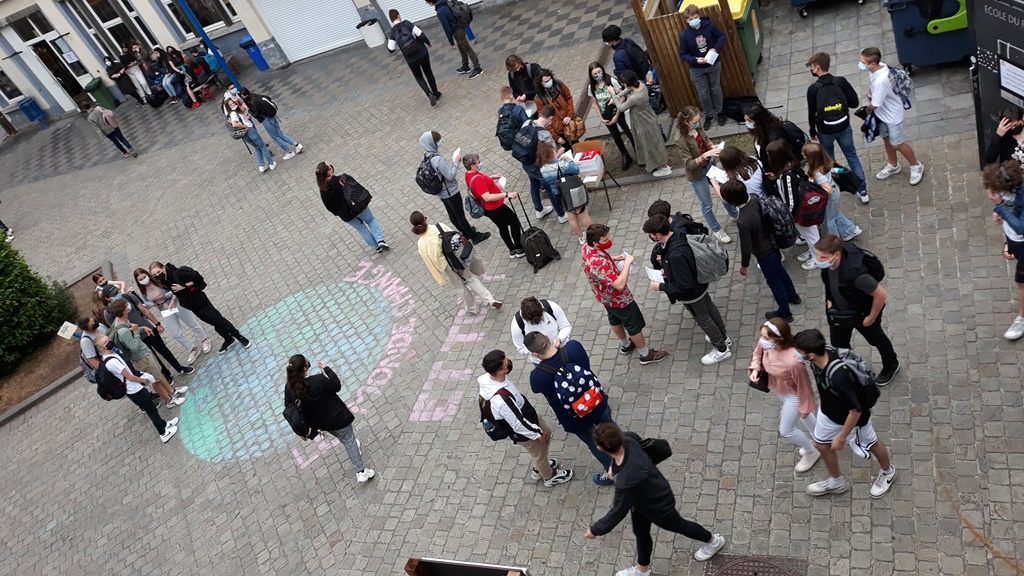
(456, 154)
(621, 264)
(169, 312)
(655, 275)
(717, 174)
(711, 58)
(67, 330)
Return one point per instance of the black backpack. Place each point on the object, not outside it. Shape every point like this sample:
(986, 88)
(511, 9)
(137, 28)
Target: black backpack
(872, 265)
(462, 12)
(506, 130)
(494, 429)
(524, 145)
(639, 61)
(293, 415)
(833, 111)
(866, 388)
(522, 324)
(456, 248)
(108, 386)
(796, 138)
(270, 107)
(404, 38)
(427, 178)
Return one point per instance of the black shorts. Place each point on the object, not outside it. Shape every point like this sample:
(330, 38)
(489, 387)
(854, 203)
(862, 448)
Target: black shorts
(1017, 249)
(630, 317)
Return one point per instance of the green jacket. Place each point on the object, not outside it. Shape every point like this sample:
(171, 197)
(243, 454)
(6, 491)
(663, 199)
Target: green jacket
(131, 342)
(98, 123)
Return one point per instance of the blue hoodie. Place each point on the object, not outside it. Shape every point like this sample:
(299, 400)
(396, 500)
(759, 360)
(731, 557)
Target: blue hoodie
(696, 42)
(448, 21)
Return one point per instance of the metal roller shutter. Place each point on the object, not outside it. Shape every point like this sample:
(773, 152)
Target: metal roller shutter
(319, 26)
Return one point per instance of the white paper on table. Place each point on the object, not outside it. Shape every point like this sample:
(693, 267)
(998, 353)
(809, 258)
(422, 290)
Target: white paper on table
(501, 183)
(168, 312)
(591, 179)
(655, 275)
(717, 174)
(711, 57)
(456, 154)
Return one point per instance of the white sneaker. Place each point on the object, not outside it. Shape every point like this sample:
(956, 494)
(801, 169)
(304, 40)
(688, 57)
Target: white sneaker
(916, 174)
(288, 156)
(883, 483)
(583, 240)
(169, 432)
(662, 172)
(298, 148)
(804, 256)
(560, 477)
(714, 357)
(366, 475)
(175, 402)
(728, 341)
(207, 345)
(535, 474)
(172, 422)
(192, 355)
(547, 210)
(1016, 329)
(824, 487)
(889, 170)
(800, 241)
(807, 460)
(180, 390)
(563, 219)
(262, 169)
(722, 237)
(864, 198)
(808, 265)
(856, 232)
(632, 571)
(273, 165)
(708, 550)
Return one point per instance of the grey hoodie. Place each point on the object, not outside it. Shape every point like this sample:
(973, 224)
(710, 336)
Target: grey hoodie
(448, 174)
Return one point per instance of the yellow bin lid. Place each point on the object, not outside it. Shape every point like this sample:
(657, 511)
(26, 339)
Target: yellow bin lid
(738, 7)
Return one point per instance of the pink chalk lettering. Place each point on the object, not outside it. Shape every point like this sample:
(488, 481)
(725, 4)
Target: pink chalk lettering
(430, 410)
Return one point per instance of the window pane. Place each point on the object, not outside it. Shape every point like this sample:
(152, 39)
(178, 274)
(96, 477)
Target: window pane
(127, 6)
(24, 29)
(204, 11)
(182, 20)
(231, 9)
(145, 30)
(76, 66)
(8, 88)
(120, 34)
(41, 22)
(85, 22)
(104, 11)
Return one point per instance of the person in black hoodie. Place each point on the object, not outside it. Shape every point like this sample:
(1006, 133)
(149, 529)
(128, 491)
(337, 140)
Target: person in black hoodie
(680, 284)
(646, 495)
(413, 43)
(317, 400)
(188, 286)
(264, 109)
(346, 199)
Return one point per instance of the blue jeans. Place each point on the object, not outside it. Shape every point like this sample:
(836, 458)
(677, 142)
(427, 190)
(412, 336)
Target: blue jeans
(536, 182)
(778, 280)
(262, 153)
(273, 127)
(587, 437)
(845, 141)
(835, 221)
(348, 439)
(367, 226)
(702, 188)
(168, 83)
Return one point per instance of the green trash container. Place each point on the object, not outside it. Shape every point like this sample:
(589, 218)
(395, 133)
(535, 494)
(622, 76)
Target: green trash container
(101, 94)
(747, 15)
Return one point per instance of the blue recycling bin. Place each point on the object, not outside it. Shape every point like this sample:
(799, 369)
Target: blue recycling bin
(250, 47)
(929, 32)
(32, 111)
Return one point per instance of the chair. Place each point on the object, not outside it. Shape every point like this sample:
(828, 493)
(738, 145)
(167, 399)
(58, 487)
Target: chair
(596, 146)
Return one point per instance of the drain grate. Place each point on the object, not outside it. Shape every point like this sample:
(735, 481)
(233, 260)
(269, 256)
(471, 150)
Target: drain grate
(724, 565)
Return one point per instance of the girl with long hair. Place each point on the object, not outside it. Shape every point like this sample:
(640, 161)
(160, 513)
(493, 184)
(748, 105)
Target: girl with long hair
(317, 399)
(819, 167)
(551, 90)
(154, 293)
(550, 165)
(650, 147)
(346, 199)
(598, 82)
(239, 117)
(698, 152)
(788, 174)
(739, 165)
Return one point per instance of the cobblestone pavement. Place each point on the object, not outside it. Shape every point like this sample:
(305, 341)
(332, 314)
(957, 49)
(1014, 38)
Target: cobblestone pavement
(90, 490)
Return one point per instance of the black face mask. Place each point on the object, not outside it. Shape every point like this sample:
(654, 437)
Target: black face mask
(814, 74)
(162, 277)
(1016, 131)
(653, 239)
(509, 366)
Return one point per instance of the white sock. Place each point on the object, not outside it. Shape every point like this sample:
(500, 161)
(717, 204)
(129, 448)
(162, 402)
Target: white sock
(624, 342)
(834, 482)
(644, 351)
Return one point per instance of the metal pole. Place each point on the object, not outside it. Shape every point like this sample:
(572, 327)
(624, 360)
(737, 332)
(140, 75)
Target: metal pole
(209, 43)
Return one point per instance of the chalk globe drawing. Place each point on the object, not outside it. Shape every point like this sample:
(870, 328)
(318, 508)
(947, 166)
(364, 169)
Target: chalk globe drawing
(235, 402)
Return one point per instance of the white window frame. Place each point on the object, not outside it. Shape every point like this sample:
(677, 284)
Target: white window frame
(188, 33)
(6, 100)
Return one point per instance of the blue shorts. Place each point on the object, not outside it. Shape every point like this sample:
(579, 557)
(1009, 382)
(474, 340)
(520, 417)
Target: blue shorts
(894, 132)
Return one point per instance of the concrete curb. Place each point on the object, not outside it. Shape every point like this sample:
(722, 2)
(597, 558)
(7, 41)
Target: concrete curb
(38, 397)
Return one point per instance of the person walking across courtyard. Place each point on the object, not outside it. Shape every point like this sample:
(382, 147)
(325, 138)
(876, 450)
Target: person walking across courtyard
(462, 253)
(106, 124)
(888, 108)
(350, 201)
(413, 43)
(456, 33)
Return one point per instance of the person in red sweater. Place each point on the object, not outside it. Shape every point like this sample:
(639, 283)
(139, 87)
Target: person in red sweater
(492, 198)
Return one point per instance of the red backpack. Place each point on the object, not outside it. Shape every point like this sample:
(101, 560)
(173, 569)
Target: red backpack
(811, 201)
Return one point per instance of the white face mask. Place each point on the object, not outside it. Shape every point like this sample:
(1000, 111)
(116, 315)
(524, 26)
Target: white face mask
(863, 67)
(748, 124)
(144, 281)
(695, 22)
(549, 83)
(766, 344)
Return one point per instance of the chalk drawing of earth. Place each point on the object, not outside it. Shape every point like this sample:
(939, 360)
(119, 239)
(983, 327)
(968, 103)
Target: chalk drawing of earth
(235, 401)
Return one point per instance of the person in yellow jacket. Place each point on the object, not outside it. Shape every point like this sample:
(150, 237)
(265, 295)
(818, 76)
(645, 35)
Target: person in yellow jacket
(430, 249)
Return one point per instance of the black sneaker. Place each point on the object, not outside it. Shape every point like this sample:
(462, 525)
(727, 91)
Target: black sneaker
(382, 245)
(775, 314)
(481, 237)
(433, 99)
(154, 397)
(224, 347)
(887, 374)
(437, 96)
(187, 370)
(476, 73)
(707, 122)
(245, 341)
(627, 349)
(796, 300)
(722, 119)
(463, 70)
(627, 161)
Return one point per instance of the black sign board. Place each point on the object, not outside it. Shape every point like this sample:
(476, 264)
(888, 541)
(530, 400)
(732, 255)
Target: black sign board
(997, 30)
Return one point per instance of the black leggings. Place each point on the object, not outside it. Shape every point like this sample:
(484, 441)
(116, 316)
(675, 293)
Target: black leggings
(508, 226)
(424, 76)
(457, 215)
(214, 318)
(142, 400)
(614, 130)
(670, 521)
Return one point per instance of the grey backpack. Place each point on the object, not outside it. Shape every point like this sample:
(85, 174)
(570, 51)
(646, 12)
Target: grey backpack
(711, 257)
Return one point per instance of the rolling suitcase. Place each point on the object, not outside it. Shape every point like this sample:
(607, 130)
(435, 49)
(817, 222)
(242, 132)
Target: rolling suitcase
(536, 243)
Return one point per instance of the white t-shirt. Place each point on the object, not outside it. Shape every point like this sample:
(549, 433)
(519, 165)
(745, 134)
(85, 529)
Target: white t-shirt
(820, 179)
(755, 183)
(237, 118)
(115, 366)
(888, 106)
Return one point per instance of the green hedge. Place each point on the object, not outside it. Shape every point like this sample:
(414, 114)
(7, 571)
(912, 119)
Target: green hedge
(31, 311)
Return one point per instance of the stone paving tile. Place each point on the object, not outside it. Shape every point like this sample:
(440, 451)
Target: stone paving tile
(237, 493)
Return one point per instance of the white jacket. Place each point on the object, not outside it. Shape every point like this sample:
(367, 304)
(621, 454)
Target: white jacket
(552, 326)
(501, 410)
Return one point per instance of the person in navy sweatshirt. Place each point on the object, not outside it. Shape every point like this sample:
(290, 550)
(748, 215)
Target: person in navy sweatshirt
(696, 44)
(457, 37)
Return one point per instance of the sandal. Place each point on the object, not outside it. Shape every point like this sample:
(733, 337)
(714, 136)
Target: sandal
(1007, 254)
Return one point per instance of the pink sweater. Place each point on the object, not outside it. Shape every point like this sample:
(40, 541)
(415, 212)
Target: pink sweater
(786, 375)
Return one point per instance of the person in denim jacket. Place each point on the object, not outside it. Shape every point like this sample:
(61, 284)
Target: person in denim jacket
(1003, 184)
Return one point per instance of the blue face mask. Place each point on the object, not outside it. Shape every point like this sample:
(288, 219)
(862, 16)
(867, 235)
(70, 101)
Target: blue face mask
(799, 356)
(695, 23)
(479, 165)
(438, 143)
(823, 265)
(599, 76)
(863, 67)
(695, 125)
(549, 83)
(748, 124)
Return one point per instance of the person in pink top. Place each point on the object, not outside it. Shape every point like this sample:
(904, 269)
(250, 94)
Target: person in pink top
(787, 377)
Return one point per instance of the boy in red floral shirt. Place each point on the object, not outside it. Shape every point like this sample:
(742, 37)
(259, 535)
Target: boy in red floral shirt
(610, 289)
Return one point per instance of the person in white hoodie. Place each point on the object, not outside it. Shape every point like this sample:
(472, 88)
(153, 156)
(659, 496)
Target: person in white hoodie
(507, 407)
(544, 316)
